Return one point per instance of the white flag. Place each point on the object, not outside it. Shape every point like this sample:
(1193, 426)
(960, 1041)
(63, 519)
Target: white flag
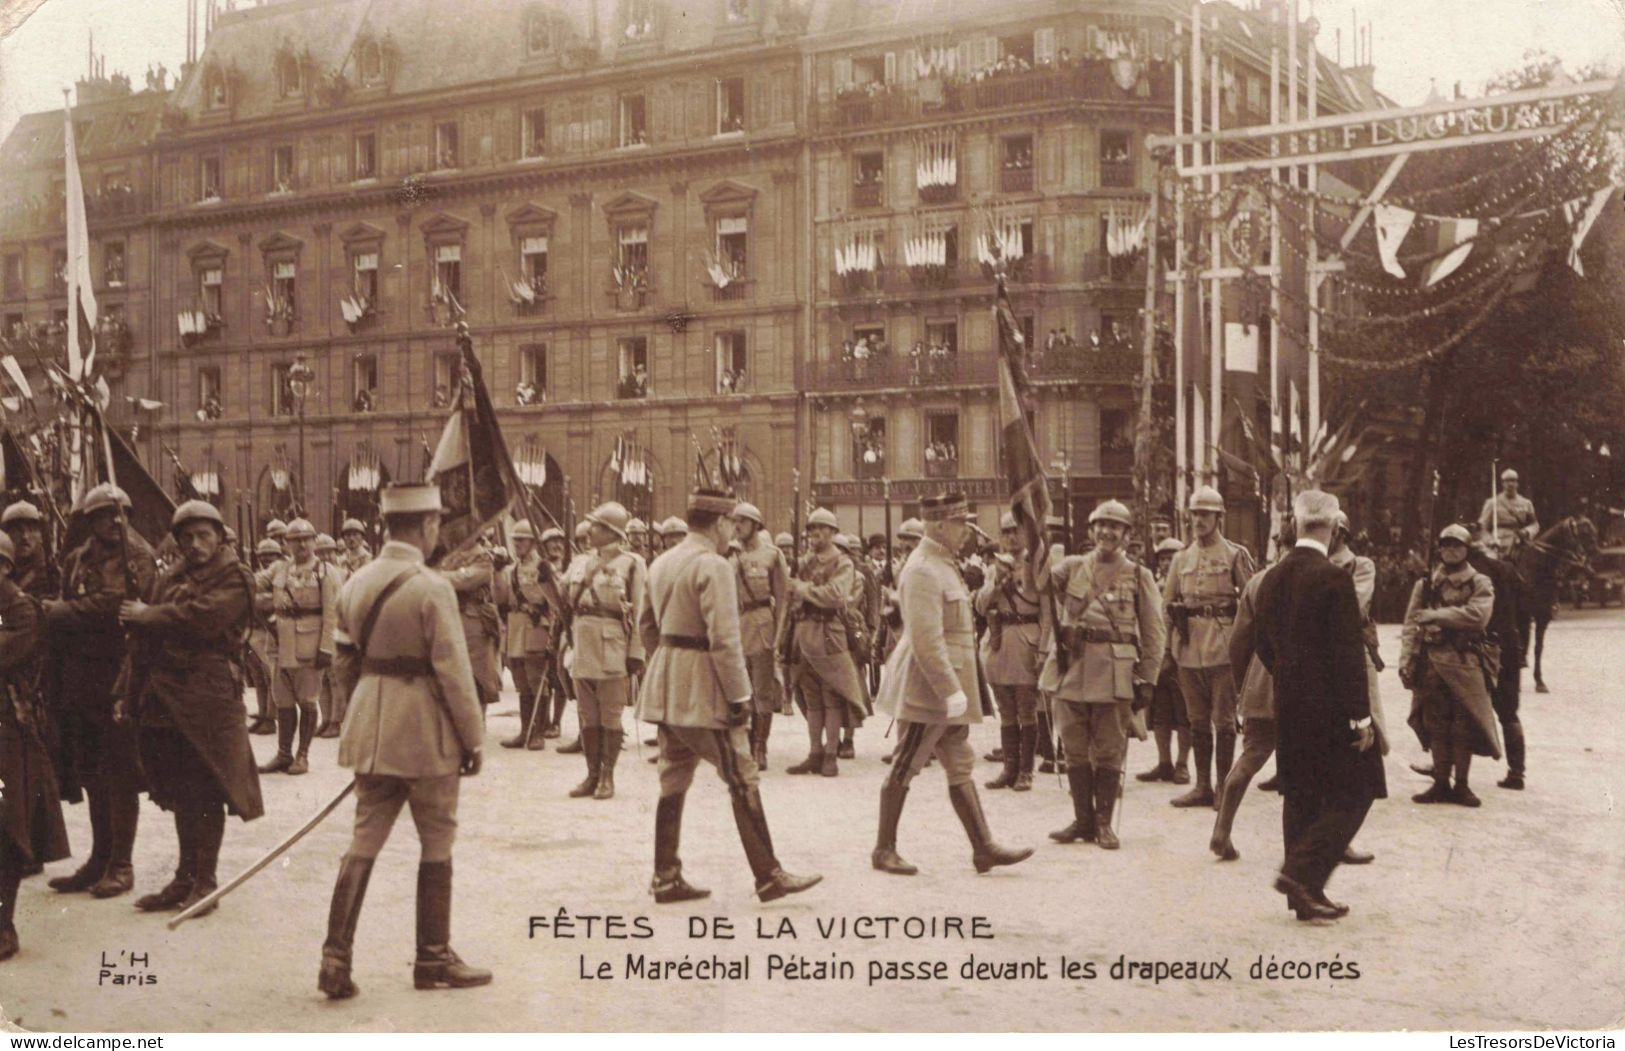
(1453, 232)
(81, 290)
(1392, 225)
(1583, 222)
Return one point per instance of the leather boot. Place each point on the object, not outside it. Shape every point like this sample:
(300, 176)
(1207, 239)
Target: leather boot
(764, 726)
(985, 854)
(885, 857)
(576, 747)
(176, 890)
(590, 748)
(286, 723)
(437, 965)
(813, 764)
(772, 882)
(1046, 742)
(1515, 755)
(124, 815)
(342, 917)
(11, 877)
(527, 705)
(1224, 756)
(1202, 793)
(1461, 794)
(1107, 784)
(1080, 780)
(1028, 736)
(1010, 736)
(610, 743)
(95, 865)
(1164, 770)
(668, 885)
(307, 730)
(1439, 791)
(1182, 775)
(209, 829)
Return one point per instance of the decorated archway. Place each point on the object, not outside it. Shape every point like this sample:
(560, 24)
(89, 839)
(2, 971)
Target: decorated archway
(542, 476)
(629, 477)
(357, 487)
(276, 493)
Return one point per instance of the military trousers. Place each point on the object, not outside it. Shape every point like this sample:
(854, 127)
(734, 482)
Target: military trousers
(300, 686)
(599, 702)
(682, 748)
(816, 695)
(529, 674)
(1018, 705)
(1168, 710)
(766, 694)
(918, 742)
(1447, 720)
(1210, 697)
(1094, 732)
(378, 802)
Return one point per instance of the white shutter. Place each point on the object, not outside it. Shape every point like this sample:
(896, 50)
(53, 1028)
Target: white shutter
(843, 72)
(533, 245)
(1044, 45)
(448, 254)
(281, 271)
(211, 276)
(366, 261)
(891, 67)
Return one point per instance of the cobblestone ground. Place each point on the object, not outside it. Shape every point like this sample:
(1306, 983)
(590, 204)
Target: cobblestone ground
(1504, 917)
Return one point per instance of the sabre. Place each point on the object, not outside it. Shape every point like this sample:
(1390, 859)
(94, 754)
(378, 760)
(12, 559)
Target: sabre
(254, 869)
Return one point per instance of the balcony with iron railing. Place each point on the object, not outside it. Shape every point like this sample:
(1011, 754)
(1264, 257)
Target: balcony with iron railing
(867, 194)
(1117, 174)
(942, 468)
(900, 369)
(947, 277)
(1016, 179)
(1085, 363)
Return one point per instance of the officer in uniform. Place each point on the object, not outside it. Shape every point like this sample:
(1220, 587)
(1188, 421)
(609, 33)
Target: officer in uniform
(303, 594)
(555, 552)
(931, 688)
(698, 693)
(574, 573)
(187, 699)
(820, 645)
(530, 623)
(867, 603)
(34, 573)
(356, 552)
(1200, 594)
(1507, 517)
(1503, 630)
(763, 577)
(330, 702)
(1444, 650)
(1112, 632)
(472, 573)
(87, 644)
(608, 652)
(1008, 601)
(1168, 717)
(414, 728)
(262, 637)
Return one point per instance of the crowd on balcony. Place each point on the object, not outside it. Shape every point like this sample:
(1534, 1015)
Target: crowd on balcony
(732, 381)
(528, 394)
(635, 384)
(870, 450)
(931, 362)
(941, 455)
(868, 353)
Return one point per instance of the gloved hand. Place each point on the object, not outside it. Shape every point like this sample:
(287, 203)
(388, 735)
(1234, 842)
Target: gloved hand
(957, 703)
(634, 666)
(739, 712)
(1142, 696)
(324, 660)
(472, 761)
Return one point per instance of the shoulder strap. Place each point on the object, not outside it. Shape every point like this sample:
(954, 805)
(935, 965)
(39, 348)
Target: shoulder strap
(371, 620)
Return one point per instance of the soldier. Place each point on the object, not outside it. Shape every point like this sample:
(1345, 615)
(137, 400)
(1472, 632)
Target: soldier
(87, 644)
(185, 694)
(867, 603)
(608, 652)
(262, 638)
(1200, 593)
(530, 622)
(414, 728)
(1503, 631)
(555, 550)
(1009, 601)
(672, 532)
(1507, 517)
(787, 547)
(818, 633)
(31, 827)
(929, 686)
(583, 542)
(356, 551)
(909, 535)
(472, 572)
(34, 573)
(330, 702)
(638, 540)
(1112, 631)
(276, 529)
(303, 594)
(574, 572)
(698, 692)
(764, 585)
(1168, 716)
(1442, 661)
(1162, 531)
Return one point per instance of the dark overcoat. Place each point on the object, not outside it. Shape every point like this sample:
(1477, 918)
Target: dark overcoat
(30, 810)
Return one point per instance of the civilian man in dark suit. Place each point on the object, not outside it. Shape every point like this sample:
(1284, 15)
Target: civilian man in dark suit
(1309, 640)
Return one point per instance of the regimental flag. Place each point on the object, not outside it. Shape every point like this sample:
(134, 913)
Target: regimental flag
(81, 283)
(151, 509)
(471, 464)
(1023, 471)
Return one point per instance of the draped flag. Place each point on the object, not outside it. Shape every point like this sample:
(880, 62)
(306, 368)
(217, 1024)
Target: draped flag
(1393, 223)
(1455, 243)
(471, 464)
(1023, 471)
(81, 283)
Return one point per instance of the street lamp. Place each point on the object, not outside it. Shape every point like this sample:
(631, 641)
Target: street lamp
(1063, 464)
(300, 378)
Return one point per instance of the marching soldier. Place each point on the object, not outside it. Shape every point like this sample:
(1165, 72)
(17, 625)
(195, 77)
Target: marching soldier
(34, 573)
(1443, 657)
(414, 729)
(1200, 594)
(303, 594)
(1009, 602)
(471, 572)
(186, 696)
(87, 645)
(1508, 517)
(931, 687)
(1503, 629)
(698, 692)
(1112, 632)
(262, 637)
(356, 551)
(818, 633)
(530, 621)
(764, 585)
(1168, 716)
(608, 652)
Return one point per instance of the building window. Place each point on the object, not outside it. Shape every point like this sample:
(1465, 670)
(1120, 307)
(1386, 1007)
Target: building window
(634, 367)
(634, 121)
(942, 445)
(1016, 163)
(280, 310)
(1116, 441)
(533, 263)
(214, 89)
(446, 153)
(730, 263)
(366, 156)
(281, 390)
(1116, 159)
(208, 179)
(865, 352)
(533, 132)
(282, 169)
(13, 327)
(13, 282)
(936, 170)
(364, 383)
(538, 33)
(639, 23)
(869, 447)
(209, 404)
(113, 263)
(371, 62)
(59, 271)
(209, 281)
(730, 105)
(448, 272)
(736, 11)
(730, 362)
(632, 258)
(446, 373)
(289, 83)
(364, 277)
(868, 179)
(532, 386)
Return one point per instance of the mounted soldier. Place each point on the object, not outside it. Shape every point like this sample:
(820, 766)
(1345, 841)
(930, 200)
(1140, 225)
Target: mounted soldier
(1508, 517)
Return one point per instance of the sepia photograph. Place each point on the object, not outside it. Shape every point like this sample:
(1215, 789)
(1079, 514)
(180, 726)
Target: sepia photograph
(1111, 508)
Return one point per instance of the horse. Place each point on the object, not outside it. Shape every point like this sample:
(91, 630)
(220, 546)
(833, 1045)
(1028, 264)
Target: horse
(1540, 562)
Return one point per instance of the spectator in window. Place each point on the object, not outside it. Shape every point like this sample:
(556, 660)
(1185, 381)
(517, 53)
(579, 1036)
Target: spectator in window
(442, 396)
(363, 400)
(640, 380)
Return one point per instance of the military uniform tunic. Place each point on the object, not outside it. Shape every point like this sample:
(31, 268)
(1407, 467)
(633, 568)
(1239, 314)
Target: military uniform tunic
(304, 597)
(530, 623)
(605, 600)
(1451, 702)
(826, 673)
(763, 579)
(1509, 518)
(1010, 648)
(1206, 580)
(471, 573)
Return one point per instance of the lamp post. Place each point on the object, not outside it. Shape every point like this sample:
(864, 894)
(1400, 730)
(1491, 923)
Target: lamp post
(860, 434)
(1063, 463)
(300, 378)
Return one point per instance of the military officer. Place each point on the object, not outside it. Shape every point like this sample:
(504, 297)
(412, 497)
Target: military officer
(608, 652)
(87, 644)
(764, 586)
(555, 552)
(1008, 601)
(672, 532)
(787, 547)
(187, 699)
(1168, 717)
(698, 692)
(931, 687)
(472, 573)
(262, 638)
(414, 728)
(1112, 630)
(1508, 517)
(356, 551)
(34, 571)
(867, 603)
(530, 621)
(1200, 593)
(330, 702)
(1503, 629)
(303, 594)
(574, 573)
(820, 644)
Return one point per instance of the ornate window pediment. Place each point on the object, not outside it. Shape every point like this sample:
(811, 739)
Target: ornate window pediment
(206, 253)
(444, 228)
(281, 244)
(630, 205)
(727, 195)
(360, 235)
(531, 219)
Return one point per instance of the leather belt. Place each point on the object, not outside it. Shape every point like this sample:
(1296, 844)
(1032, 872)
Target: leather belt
(599, 612)
(755, 604)
(1103, 635)
(687, 642)
(396, 667)
(1222, 609)
(1015, 618)
(819, 613)
(304, 611)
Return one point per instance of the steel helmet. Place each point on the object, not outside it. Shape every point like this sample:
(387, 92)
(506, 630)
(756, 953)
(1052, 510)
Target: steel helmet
(750, 513)
(195, 509)
(826, 518)
(637, 525)
(673, 526)
(911, 529)
(300, 529)
(352, 525)
(1455, 533)
(1509, 475)
(276, 527)
(846, 542)
(8, 550)
(1207, 498)
(268, 547)
(104, 496)
(324, 542)
(1007, 522)
(21, 511)
(1170, 546)
(581, 529)
(231, 535)
(522, 531)
(1111, 511)
(784, 540)
(553, 533)
(613, 517)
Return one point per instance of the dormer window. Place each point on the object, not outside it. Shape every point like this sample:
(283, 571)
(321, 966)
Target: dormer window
(214, 89)
(289, 79)
(371, 62)
(538, 33)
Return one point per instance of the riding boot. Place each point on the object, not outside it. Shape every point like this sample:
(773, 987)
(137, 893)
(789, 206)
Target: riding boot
(1439, 791)
(1046, 742)
(1202, 794)
(772, 882)
(610, 744)
(95, 865)
(668, 885)
(1080, 780)
(814, 763)
(1182, 775)
(1010, 737)
(527, 705)
(885, 857)
(307, 730)
(324, 705)
(1108, 783)
(1164, 770)
(985, 854)
(123, 816)
(590, 750)
(11, 877)
(1515, 756)
(764, 726)
(287, 722)
(264, 721)
(208, 830)
(1224, 757)
(1028, 736)
(176, 890)
(342, 916)
(560, 699)
(1463, 794)
(437, 965)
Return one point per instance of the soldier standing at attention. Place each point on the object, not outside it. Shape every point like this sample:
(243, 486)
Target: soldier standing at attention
(638, 539)
(1168, 717)
(304, 595)
(1200, 593)
(1009, 601)
(34, 573)
(414, 729)
(824, 669)
(1503, 630)
(472, 572)
(356, 552)
(262, 637)
(608, 652)
(929, 684)
(329, 702)
(1508, 518)
(866, 604)
(530, 621)
(787, 547)
(672, 532)
(764, 584)
(698, 693)
(1112, 632)
(574, 573)
(555, 551)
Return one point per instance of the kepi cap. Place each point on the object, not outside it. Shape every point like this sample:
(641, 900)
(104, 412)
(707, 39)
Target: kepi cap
(410, 499)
